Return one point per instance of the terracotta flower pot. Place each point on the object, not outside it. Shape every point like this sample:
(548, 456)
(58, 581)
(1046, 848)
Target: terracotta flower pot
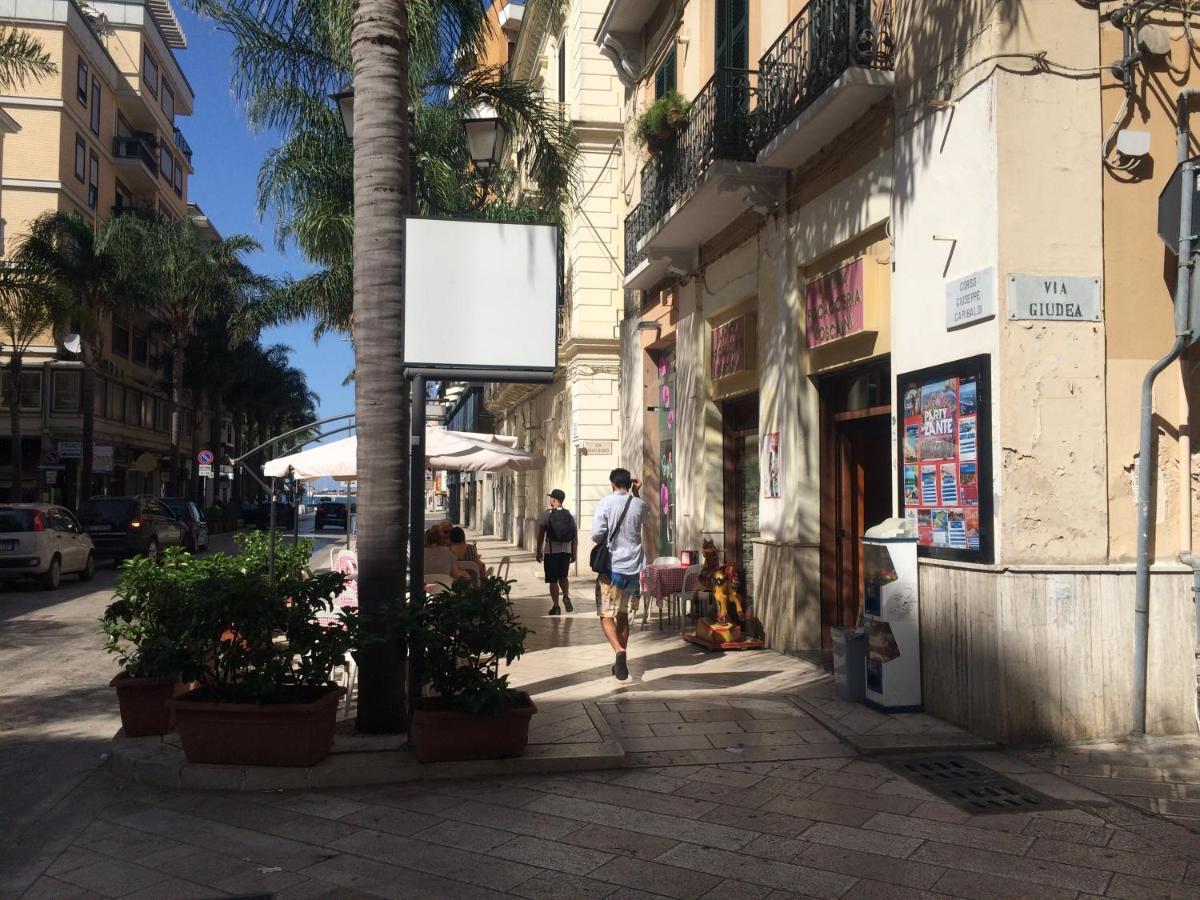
(441, 735)
(256, 734)
(143, 702)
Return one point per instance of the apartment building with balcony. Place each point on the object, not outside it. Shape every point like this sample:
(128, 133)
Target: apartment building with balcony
(880, 268)
(574, 421)
(100, 138)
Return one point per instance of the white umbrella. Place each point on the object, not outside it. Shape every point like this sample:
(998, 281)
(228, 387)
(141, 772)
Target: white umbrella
(452, 450)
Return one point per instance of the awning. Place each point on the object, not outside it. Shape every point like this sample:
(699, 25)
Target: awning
(453, 450)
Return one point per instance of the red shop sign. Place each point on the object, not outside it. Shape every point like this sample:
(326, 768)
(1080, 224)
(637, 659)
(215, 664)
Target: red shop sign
(729, 348)
(834, 304)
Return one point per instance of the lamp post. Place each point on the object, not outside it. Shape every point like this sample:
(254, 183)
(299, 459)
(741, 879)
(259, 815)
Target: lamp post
(485, 132)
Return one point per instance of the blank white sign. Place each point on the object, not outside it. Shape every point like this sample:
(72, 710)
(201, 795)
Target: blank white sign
(480, 295)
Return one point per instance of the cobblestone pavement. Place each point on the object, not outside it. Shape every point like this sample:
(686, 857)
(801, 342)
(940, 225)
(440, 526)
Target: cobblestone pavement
(735, 790)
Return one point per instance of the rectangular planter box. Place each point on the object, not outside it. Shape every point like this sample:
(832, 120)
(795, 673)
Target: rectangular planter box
(255, 734)
(445, 736)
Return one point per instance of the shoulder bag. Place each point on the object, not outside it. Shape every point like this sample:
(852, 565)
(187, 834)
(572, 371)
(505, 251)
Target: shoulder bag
(601, 559)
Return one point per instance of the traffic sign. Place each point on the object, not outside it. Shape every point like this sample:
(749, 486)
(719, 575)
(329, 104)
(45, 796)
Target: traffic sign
(204, 457)
(52, 476)
(1170, 201)
(205, 470)
(70, 449)
(52, 458)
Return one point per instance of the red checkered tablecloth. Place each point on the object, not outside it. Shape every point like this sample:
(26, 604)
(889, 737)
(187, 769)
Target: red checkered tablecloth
(662, 581)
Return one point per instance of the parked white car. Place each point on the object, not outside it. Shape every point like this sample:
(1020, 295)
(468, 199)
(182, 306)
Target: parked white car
(41, 541)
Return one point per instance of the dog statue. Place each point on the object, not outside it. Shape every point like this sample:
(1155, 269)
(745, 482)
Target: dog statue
(727, 592)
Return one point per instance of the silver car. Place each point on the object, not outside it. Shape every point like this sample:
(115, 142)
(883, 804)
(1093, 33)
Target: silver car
(41, 541)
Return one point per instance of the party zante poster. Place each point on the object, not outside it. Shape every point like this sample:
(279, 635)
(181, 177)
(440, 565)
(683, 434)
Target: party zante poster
(940, 467)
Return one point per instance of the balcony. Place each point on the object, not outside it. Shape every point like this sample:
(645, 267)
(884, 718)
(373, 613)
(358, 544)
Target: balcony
(619, 36)
(700, 182)
(183, 146)
(831, 64)
(138, 155)
(145, 213)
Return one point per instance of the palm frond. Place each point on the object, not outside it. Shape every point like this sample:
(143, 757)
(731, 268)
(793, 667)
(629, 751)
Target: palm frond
(22, 58)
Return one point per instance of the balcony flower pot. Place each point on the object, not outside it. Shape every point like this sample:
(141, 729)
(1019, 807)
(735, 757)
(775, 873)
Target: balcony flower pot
(442, 734)
(658, 127)
(143, 703)
(256, 734)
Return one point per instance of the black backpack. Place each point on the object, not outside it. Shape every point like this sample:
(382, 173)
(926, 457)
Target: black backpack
(560, 526)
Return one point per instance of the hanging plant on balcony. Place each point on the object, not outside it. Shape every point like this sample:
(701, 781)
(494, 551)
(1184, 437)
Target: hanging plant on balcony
(662, 121)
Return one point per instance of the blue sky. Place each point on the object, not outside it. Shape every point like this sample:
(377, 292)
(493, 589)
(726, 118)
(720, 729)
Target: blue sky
(226, 157)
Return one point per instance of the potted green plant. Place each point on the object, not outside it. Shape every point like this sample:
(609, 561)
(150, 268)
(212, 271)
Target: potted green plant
(141, 627)
(262, 660)
(662, 121)
(460, 636)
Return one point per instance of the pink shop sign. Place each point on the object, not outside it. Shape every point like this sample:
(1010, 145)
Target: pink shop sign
(834, 304)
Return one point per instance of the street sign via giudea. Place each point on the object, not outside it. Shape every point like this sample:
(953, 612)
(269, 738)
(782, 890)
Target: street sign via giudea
(1169, 202)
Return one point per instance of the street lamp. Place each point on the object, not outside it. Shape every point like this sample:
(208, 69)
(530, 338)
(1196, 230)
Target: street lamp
(345, 104)
(485, 137)
(485, 132)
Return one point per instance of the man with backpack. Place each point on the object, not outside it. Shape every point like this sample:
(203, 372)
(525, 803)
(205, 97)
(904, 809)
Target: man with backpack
(557, 546)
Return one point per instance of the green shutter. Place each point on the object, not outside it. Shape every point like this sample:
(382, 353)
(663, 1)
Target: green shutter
(664, 77)
(733, 34)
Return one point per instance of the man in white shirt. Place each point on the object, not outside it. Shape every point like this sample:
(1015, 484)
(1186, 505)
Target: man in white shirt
(618, 522)
(557, 547)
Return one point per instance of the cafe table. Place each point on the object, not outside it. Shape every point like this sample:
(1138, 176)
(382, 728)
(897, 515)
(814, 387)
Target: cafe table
(661, 582)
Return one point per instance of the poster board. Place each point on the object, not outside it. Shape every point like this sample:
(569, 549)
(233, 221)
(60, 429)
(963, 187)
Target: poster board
(945, 464)
(481, 296)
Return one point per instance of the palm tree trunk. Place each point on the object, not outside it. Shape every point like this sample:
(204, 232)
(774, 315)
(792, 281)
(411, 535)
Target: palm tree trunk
(88, 398)
(16, 494)
(215, 434)
(379, 49)
(197, 481)
(177, 486)
(238, 443)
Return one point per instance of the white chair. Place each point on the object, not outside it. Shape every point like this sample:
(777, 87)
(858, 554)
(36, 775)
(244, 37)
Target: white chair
(467, 565)
(501, 568)
(443, 581)
(691, 578)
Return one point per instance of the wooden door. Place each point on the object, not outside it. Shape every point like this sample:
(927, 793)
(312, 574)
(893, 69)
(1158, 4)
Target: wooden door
(863, 490)
(741, 488)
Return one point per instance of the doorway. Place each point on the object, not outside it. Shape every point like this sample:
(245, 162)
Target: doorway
(856, 485)
(741, 485)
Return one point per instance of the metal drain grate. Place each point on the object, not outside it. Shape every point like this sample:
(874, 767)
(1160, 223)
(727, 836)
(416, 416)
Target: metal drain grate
(970, 786)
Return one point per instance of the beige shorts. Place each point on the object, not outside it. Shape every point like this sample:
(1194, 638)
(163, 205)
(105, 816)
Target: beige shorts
(612, 602)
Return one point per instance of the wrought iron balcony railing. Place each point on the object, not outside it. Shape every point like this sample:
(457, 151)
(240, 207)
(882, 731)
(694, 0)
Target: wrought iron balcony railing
(139, 146)
(720, 125)
(182, 145)
(823, 41)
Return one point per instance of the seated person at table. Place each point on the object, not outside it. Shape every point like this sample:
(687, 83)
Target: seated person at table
(464, 552)
(439, 560)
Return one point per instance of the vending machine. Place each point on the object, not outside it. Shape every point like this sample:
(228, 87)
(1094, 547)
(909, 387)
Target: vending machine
(890, 616)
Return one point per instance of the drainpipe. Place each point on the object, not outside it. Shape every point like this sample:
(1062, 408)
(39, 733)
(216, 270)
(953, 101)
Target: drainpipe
(1141, 603)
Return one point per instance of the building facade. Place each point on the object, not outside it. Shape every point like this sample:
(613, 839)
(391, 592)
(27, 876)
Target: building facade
(100, 138)
(879, 268)
(574, 422)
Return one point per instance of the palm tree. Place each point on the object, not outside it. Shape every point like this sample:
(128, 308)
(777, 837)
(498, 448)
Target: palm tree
(379, 47)
(103, 272)
(290, 51)
(194, 277)
(30, 305)
(22, 57)
(289, 58)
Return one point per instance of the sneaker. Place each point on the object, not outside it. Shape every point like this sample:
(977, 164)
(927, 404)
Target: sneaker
(554, 611)
(567, 604)
(621, 669)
